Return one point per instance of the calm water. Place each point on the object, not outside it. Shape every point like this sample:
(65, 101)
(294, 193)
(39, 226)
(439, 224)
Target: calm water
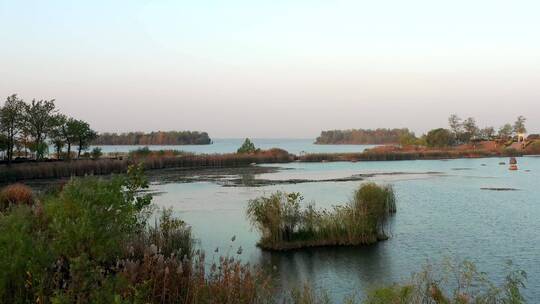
(440, 215)
(295, 146)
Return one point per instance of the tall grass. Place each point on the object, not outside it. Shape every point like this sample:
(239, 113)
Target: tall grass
(284, 224)
(399, 155)
(150, 160)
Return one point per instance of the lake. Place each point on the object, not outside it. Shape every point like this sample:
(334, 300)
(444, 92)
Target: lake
(219, 145)
(443, 213)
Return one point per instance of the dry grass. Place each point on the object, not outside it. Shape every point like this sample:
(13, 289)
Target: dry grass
(16, 194)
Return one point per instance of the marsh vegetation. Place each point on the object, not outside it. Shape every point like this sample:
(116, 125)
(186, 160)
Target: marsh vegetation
(285, 224)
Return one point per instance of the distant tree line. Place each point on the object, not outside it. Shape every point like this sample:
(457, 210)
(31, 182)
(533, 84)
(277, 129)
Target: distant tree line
(464, 131)
(154, 138)
(28, 129)
(363, 136)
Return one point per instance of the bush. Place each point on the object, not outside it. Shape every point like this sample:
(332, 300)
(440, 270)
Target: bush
(90, 243)
(247, 147)
(96, 153)
(16, 194)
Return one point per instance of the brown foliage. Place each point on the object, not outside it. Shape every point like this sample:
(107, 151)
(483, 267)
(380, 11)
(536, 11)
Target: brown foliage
(16, 194)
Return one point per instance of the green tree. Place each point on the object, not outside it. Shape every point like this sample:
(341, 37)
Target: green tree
(470, 129)
(39, 121)
(3, 142)
(439, 138)
(247, 147)
(519, 125)
(96, 153)
(57, 136)
(487, 133)
(82, 133)
(11, 116)
(505, 131)
(456, 126)
(407, 139)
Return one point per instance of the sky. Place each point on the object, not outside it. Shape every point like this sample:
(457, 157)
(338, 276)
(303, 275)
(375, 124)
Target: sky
(274, 69)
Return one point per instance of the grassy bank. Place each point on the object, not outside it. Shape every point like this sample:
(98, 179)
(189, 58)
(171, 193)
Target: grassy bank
(284, 224)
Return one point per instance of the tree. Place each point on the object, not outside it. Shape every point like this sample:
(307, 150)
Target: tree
(82, 133)
(39, 120)
(247, 147)
(505, 131)
(439, 138)
(3, 142)
(519, 125)
(470, 129)
(456, 127)
(487, 133)
(96, 153)
(57, 134)
(407, 139)
(11, 116)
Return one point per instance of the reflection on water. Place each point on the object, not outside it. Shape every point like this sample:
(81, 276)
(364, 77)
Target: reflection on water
(440, 215)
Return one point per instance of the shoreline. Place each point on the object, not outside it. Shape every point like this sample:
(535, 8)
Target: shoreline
(105, 166)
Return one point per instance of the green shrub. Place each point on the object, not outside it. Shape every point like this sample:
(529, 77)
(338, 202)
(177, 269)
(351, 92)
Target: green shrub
(96, 153)
(247, 147)
(25, 257)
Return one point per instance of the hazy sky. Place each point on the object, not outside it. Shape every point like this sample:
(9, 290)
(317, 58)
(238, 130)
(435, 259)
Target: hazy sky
(274, 68)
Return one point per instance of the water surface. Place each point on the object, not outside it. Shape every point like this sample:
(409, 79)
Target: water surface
(442, 213)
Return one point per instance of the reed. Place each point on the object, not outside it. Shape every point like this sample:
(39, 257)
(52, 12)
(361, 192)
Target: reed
(149, 159)
(285, 225)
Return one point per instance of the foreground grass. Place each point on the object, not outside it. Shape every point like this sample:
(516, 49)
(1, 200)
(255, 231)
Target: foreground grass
(91, 243)
(284, 224)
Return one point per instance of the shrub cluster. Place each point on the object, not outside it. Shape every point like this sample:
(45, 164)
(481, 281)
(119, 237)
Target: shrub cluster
(91, 243)
(284, 224)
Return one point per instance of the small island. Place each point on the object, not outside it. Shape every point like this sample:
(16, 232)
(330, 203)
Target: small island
(362, 136)
(285, 225)
(161, 138)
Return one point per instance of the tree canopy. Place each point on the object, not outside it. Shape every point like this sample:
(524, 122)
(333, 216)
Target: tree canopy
(247, 147)
(34, 126)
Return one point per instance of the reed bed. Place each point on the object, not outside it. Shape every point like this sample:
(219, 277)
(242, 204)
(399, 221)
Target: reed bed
(150, 160)
(284, 224)
(402, 155)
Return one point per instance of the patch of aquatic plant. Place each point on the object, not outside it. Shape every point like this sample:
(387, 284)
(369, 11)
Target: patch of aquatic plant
(285, 224)
(454, 284)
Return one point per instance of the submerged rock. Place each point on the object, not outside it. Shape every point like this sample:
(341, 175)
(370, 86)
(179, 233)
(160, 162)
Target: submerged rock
(499, 189)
